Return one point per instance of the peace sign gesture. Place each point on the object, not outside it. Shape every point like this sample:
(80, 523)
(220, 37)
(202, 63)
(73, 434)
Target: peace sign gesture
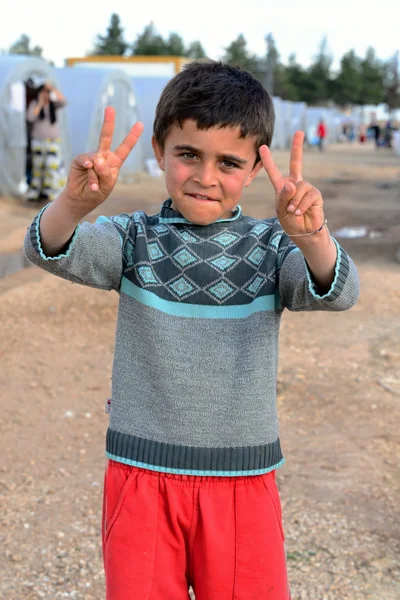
(299, 205)
(92, 177)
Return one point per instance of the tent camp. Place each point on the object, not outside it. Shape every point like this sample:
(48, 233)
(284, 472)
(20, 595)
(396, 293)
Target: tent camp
(14, 72)
(278, 139)
(88, 92)
(148, 91)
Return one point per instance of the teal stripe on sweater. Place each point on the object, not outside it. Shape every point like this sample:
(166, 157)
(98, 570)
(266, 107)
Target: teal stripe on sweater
(197, 311)
(140, 465)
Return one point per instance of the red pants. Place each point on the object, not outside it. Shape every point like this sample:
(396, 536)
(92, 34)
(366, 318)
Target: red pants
(163, 533)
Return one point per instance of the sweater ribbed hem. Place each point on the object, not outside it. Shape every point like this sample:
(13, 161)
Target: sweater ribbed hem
(189, 460)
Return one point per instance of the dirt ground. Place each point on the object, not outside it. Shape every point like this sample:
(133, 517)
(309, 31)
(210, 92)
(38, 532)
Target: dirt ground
(338, 396)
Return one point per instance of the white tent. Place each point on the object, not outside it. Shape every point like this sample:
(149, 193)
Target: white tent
(14, 71)
(298, 118)
(148, 91)
(88, 92)
(279, 137)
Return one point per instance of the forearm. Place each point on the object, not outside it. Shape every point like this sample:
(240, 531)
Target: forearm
(320, 253)
(58, 223)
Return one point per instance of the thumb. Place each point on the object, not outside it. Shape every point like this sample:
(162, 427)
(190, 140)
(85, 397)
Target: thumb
(288, 191)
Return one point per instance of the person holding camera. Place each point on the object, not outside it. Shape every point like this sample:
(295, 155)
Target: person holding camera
(47, 166)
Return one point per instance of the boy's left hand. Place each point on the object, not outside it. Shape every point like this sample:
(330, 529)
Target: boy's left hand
(299, 205)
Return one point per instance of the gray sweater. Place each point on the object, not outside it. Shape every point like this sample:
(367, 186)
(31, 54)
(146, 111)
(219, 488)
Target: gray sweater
(196, 350)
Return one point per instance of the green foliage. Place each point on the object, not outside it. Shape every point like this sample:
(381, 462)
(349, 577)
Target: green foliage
(113, 42)
(237, 54)
(392, 82)
(196, 50)
(151, 43)
(23, 46)
(346, 88)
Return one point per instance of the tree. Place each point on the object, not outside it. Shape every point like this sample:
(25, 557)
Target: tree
(347, 85)
(319, 73)
(113, 42)
(237, 54)
(149, 43)
(23, 46)
(174, 45)
(271, 64)
(195, 50)
(392, 81)
(372, 79)
(299, 82)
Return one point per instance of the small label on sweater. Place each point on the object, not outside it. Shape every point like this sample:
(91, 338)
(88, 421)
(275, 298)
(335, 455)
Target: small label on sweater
(107, 407)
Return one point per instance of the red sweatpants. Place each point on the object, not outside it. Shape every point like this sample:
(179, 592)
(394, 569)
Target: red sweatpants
(163, 533)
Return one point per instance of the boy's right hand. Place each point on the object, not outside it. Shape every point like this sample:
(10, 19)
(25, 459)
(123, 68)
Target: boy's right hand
(92, 177)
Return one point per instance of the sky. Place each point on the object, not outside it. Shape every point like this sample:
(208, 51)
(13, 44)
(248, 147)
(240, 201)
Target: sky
(68, 29)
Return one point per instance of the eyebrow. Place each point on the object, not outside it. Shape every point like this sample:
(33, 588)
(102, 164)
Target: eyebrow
(230, 157)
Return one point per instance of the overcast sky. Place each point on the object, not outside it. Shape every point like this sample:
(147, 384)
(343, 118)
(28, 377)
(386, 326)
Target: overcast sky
(68, 29)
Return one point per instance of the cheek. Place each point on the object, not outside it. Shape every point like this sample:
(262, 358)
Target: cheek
(233, 185)
(177, 172)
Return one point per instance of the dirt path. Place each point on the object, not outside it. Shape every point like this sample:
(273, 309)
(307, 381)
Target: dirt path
(338, 404)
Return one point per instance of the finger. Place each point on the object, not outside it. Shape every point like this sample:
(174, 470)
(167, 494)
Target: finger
(107, 130)
(85, 161)
(103, 172)
(288, 192)
(296, 157)
(302, 189)
(311, 198)
(130, 141)
(272, 170)
(93, 181)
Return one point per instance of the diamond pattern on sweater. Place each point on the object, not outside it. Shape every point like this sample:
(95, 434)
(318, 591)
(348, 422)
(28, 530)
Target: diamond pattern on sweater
(182, 287)
(221, 290)
(155, 251)
(224, 263)
(253, 287)
(146, 275)
(257, 255)
(185, 258)
(227, 238)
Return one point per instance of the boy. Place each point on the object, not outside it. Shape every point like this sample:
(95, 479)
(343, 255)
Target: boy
(193, 443)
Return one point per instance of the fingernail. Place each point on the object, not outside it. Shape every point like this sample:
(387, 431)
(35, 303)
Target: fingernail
(290, 208)
(94, 187)
(88, 163)
(298, 212)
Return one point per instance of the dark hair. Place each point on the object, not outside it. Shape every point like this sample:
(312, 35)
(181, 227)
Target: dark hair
(52, 106)
(215, 94)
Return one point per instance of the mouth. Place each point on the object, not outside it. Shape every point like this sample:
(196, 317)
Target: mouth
(202, 197)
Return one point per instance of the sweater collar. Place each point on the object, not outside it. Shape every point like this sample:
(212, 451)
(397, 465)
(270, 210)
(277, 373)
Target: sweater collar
(173, 216)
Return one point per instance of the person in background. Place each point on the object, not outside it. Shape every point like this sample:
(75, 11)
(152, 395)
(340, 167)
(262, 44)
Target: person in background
(47, 169)
(388, 135)
(376, 130)
(321, 135)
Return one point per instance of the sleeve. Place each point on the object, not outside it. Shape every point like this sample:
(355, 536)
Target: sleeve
(29, 114)
(92, 257)
(298, 291)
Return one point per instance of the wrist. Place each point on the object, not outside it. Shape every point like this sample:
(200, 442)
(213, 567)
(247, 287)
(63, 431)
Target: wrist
(69, 208)
(320, 239)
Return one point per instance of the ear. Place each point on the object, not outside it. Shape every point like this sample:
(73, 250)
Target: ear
(158, 153)
(256, 169)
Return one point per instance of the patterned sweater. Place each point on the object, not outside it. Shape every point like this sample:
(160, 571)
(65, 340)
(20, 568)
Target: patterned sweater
(196, 350)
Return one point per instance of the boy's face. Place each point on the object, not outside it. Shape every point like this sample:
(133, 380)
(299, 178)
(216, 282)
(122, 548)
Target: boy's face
(206, 170)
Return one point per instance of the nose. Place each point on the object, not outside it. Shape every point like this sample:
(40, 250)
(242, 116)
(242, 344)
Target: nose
(206, 175)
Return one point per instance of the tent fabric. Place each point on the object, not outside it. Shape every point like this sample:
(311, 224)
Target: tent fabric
(88, 92)
(148, 91)
(14, 71)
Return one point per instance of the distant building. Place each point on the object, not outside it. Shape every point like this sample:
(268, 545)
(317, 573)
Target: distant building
(134, 66)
